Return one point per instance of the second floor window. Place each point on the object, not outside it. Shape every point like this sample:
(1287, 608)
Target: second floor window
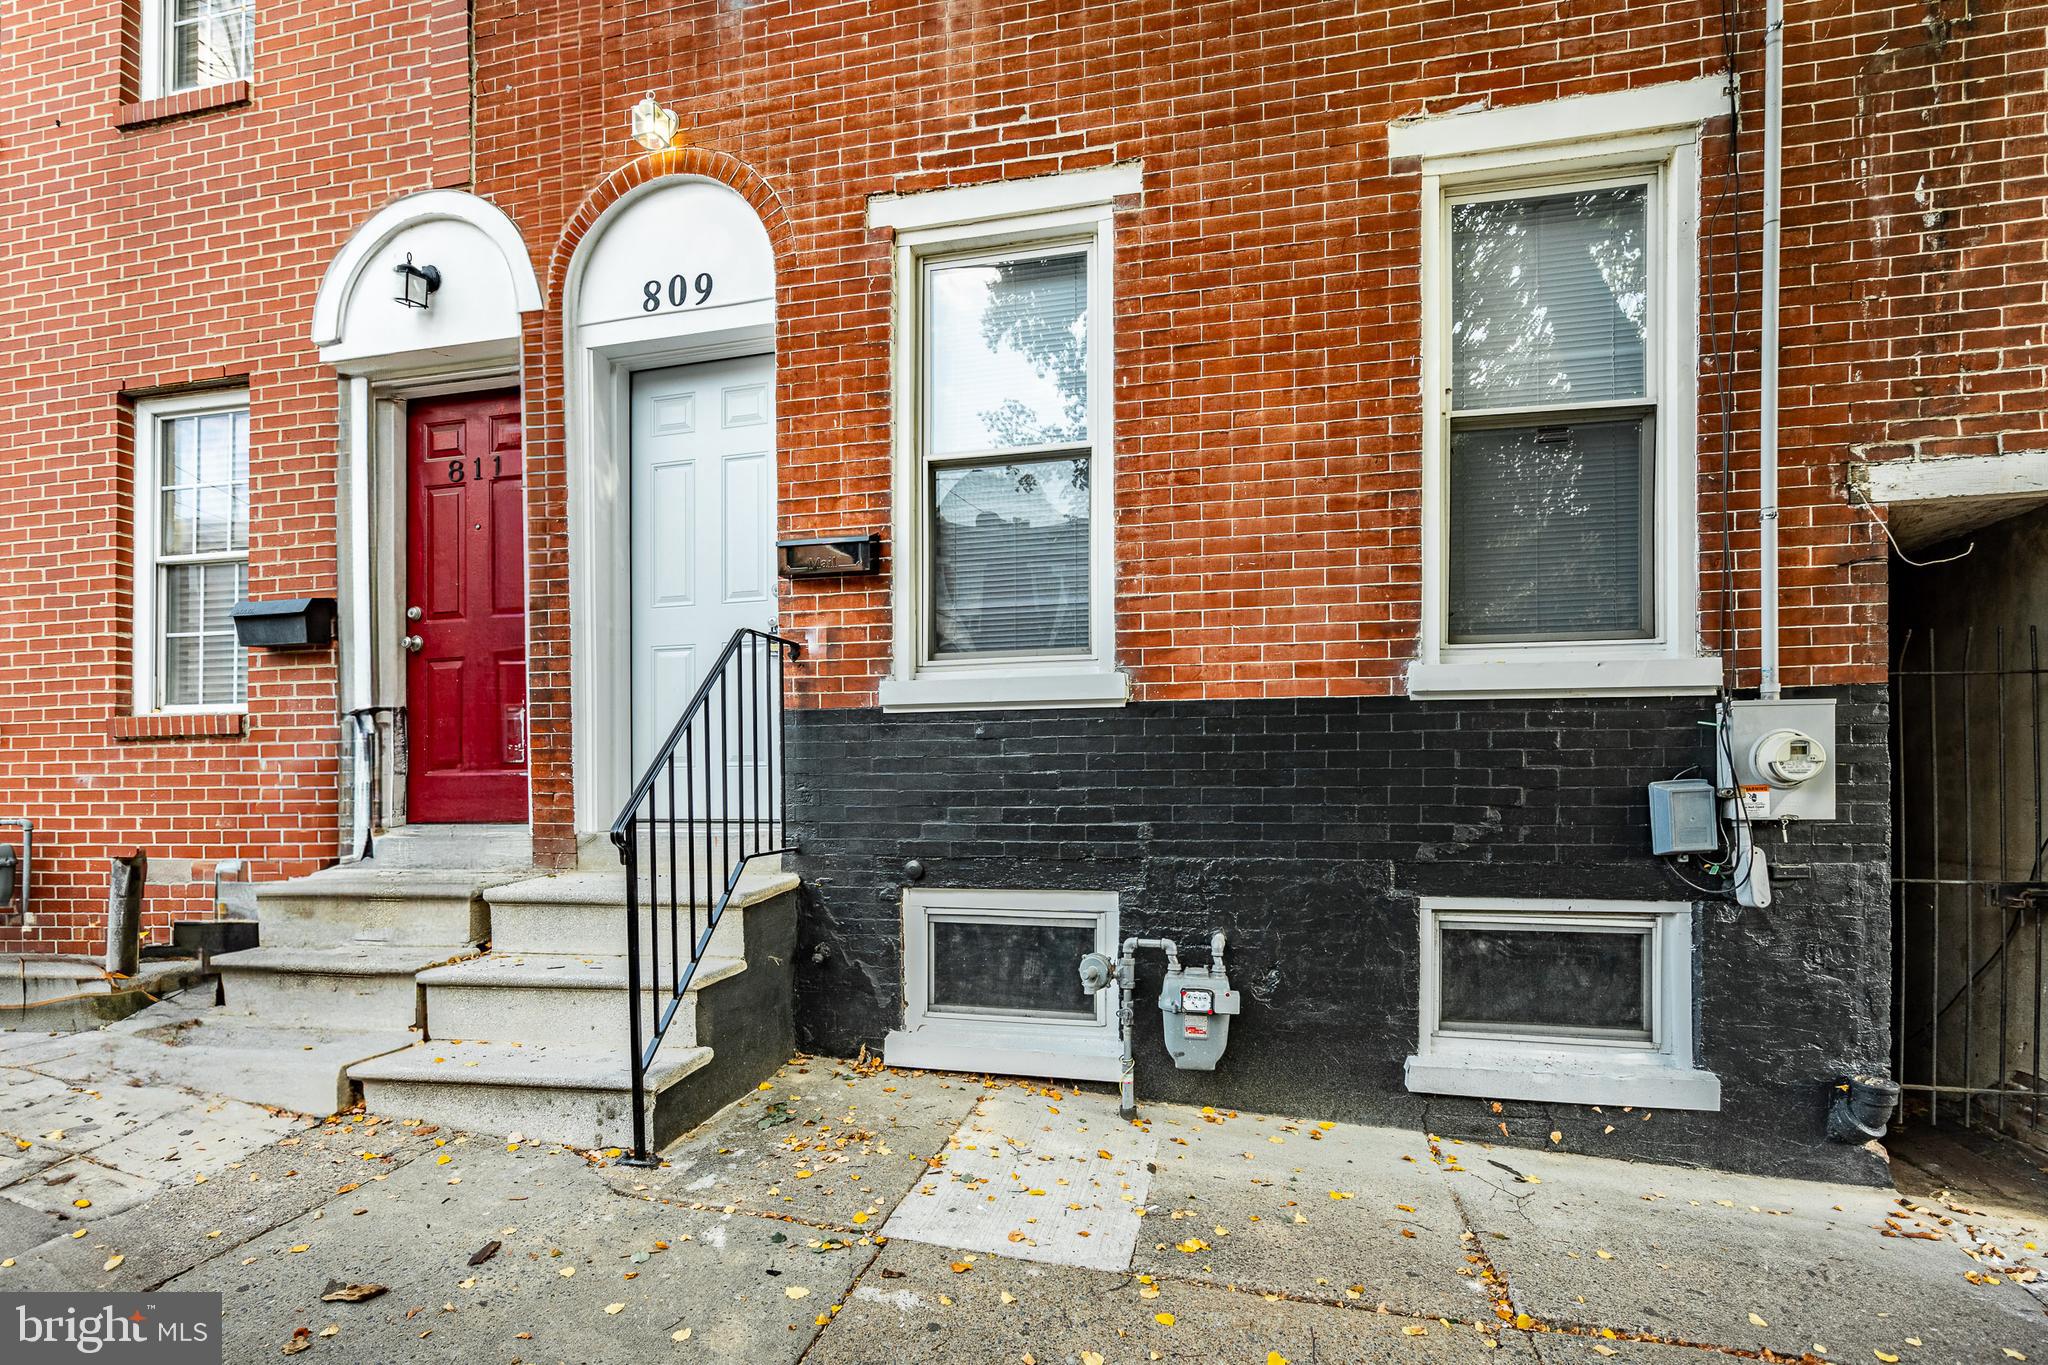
(192, 44)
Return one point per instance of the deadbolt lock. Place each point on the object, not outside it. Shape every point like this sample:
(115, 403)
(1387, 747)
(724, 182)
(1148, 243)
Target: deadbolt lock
(413, 613)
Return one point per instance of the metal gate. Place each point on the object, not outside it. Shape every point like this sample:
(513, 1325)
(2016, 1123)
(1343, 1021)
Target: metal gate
(1969, 899)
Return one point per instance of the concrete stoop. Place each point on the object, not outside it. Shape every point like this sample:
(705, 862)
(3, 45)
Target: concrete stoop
(532, 1038)
(56, 994)
(347, 944)
(212, 1050)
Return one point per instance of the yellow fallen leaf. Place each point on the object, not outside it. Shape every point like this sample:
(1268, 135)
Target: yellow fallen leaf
(7, 1264)
(1150, 1291)
(303, 1246)
(443, 1159)
(1163, 1319)
(1008, 1297)
(1340, 1194)
(962, 1267)
(331, 1329)
(1524, 1321)
(797, 1291)
(1755, 1321)
(113, 1261)
(1091, 1358)
(81, 1203)
(1887, 1359)
(1605, 1350)
(615, 1308)
(680, 1334)
(765, 1085)
(1274, 1357)
(2011, 1354)
(1414, 1329)
(568, 1271)
(1604, 1255)
(860, 1218)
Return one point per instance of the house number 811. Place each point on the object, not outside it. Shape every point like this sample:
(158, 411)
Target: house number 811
(678, 292)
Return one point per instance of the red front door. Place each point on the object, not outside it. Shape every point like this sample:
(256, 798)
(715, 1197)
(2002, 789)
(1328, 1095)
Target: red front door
(466, 618)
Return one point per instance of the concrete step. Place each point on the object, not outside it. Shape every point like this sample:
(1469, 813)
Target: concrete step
(456, 847)
(548, 1092)
(361, 903)
(71, 994)
(554, 999)
(214, 1051)
(585, 912)
(367, 985)
(739, 1023)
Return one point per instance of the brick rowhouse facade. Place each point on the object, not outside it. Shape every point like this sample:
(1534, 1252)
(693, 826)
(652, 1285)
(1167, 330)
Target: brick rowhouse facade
(1268, 463)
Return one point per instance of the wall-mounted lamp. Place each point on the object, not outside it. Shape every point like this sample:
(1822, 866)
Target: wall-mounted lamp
(416, 283)
(654, 126)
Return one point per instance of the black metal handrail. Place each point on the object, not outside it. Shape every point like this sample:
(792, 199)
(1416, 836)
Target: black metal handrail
(712, 796)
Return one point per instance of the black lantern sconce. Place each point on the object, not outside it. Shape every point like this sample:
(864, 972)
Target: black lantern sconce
(416, 283)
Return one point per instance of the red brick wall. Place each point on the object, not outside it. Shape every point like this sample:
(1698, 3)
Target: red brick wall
(158, 255)
(1267, 308)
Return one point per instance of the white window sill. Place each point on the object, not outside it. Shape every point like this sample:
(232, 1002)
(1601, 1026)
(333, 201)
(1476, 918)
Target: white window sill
(1004, 691)
(1582, 676)
(1089, 1056)
(1563, 1078)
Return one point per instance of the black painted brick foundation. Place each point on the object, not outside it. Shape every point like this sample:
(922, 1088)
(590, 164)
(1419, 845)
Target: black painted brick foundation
(1306, 830)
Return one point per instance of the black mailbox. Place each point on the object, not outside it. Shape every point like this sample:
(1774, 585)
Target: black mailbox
(288, 623)
(828, 556)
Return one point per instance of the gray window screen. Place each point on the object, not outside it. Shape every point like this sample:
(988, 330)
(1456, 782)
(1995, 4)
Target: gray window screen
(982, 966)
(1536, 980)
(1008, 371)
(1550, 495)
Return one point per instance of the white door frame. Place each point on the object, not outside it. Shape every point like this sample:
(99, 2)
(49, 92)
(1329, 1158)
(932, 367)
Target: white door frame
(598, 364)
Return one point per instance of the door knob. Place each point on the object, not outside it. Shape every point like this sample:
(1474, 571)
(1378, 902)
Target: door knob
(413, 644)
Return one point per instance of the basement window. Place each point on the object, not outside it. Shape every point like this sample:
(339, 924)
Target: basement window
(991, 983)
(1580, 1002)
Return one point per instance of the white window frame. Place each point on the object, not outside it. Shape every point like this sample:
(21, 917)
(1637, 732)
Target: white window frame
(1566, 1067)
(960, 1040)
(1649, 134)
(146, 648)
(1022, 217)
(155, 37)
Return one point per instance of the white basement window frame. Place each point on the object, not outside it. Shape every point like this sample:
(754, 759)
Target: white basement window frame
(1068, 216)
(1651, 1065)
(194, 44)
(954, 1036)
(1648, 137)
(158, 423)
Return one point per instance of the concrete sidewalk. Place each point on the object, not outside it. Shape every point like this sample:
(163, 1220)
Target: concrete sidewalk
(850, 1215)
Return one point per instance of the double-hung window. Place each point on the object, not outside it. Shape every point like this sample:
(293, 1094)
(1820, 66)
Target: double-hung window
(1560, 349)
(1002, 555)
(193, 44)
(191, 552)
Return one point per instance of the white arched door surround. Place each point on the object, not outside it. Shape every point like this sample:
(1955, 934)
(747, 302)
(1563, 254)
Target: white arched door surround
(389, 355)
(680, 270)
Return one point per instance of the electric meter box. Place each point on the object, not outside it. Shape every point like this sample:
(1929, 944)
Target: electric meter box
(1197, 1003)
(1778, 758)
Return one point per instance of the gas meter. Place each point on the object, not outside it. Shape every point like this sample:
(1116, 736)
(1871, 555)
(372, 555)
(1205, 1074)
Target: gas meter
(1197, 1003)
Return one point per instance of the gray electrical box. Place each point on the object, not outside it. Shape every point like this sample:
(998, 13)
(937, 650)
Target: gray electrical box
(1778, 758)
(1197, 1004)
(1682, 817)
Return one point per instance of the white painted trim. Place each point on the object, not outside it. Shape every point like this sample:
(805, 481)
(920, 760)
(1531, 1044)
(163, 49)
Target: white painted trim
(2018, 473)
(1671, 662)
(330, 306)
(916, 682)
(153, 36)
(1563, 1068)
(143, 651)
(1002, 199)
(598, 365)
(1526, 675)
(1611, 113)
(1007, 690)
(1066, 1048)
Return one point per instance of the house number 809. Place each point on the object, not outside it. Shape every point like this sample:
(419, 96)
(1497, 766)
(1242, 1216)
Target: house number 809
(678, 292)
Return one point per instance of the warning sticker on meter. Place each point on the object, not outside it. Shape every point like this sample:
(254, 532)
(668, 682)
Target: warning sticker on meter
(1197, 1028)
(1756, 802)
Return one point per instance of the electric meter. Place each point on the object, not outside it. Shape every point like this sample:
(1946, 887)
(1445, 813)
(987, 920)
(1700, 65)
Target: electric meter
(1786, 758)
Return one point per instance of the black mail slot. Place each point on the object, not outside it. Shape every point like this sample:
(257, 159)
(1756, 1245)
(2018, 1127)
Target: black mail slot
(287, 623)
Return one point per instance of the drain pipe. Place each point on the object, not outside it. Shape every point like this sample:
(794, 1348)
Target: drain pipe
(1767, 436)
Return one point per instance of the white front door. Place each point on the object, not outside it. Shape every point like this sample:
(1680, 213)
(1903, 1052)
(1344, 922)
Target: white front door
(703, 500)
